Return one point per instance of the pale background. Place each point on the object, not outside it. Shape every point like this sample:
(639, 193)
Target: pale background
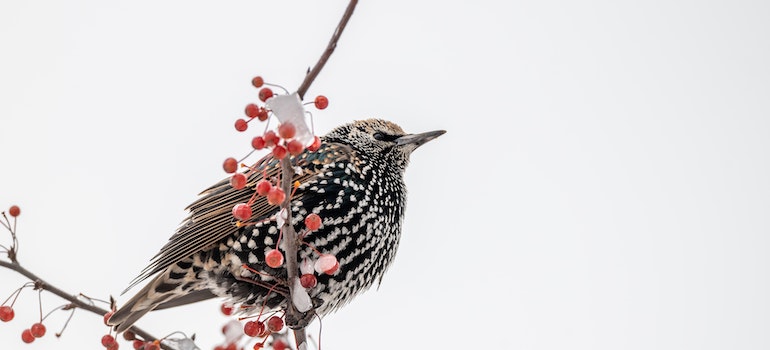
(603, 183)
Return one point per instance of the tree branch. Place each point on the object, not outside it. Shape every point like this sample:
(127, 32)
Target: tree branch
(313, 73)
(42, 284)
(287, 174)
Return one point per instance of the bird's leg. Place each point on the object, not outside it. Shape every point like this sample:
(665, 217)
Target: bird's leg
(305, 317)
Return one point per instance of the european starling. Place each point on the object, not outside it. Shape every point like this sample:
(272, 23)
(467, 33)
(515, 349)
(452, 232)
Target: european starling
(354, 182)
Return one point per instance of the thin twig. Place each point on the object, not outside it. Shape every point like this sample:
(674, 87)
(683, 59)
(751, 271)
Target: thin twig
(313, 73)
(39, 282)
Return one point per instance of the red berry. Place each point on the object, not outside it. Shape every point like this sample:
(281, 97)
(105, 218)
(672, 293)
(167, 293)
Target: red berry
(265, 93)
(257, 81)
(241, 125)
(107, 340)
(27, 337)
(258, 142)
(321, 102)
(14, 210)
(37, 330)
(259, 346)
(271, 139)
(327, 263)
(107, 317)
(242, 211)
(152, 346)
(287, 130)
(315, 145)
(252, 110)
(263, 187)
(226, 309)
(295, 147)
(274, 324)
(129, 335)
(230, 165)
(308, 280)
(6, 313)
(275, 196)
(279, 151)
(238, 181)
(138, 344)
(274, 258)
(262, 116)
(253, 328)
(278, 344)
(312, 221)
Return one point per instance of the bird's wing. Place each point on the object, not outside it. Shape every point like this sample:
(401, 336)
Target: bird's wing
(211, 218)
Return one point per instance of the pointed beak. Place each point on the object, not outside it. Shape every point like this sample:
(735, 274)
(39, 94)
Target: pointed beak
(419, 139)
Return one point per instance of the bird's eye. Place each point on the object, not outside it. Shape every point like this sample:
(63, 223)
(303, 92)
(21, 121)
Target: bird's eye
(381, 136)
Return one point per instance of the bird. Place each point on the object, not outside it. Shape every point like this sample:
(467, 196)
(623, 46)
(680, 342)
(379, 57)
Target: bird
(354, 182)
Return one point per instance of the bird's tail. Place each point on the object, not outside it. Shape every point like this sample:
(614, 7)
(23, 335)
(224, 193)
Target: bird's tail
(160, 293)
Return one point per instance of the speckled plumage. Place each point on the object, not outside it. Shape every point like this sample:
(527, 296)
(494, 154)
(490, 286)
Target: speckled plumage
(354, 182)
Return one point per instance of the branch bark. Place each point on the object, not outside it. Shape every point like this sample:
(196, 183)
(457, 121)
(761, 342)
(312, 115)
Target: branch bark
(287, 173)
(313, 73)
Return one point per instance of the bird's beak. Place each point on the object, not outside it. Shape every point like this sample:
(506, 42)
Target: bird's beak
(419, 139)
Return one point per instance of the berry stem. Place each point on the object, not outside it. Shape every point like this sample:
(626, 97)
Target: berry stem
(40, 303)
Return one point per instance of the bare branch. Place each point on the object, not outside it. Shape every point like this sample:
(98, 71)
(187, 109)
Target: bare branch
(74, 300)
(313, 73)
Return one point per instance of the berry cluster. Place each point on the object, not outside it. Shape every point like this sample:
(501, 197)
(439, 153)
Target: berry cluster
(290, 138)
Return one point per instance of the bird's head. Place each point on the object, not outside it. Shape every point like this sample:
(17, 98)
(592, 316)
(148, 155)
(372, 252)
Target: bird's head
(381, 140)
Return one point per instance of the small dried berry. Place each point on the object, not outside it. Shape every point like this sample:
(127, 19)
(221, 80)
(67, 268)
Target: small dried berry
(312, 221)
(265, 93)
(275, 196)
(230, 165)
(37, 330)
(251, 110)
(242, 211)
(274, 258)
(321, 102)
(262, 116)
(258, 142)
(271, 139)
(253, 328)
(226, 309)
(107, 317)
(14, 210)
(280, 151)
(241, 125)
(315, 145)
(27, 337)
(108, 340)
(257, 81)
(263, 187)
(295, 147)
(327, 263)
(6, 313)
(274, 324)
(238, 181)
(287, 130)
(308, 280)
(129, 335)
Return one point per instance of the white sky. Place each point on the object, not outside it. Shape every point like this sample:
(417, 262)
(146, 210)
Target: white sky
(603, 183)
